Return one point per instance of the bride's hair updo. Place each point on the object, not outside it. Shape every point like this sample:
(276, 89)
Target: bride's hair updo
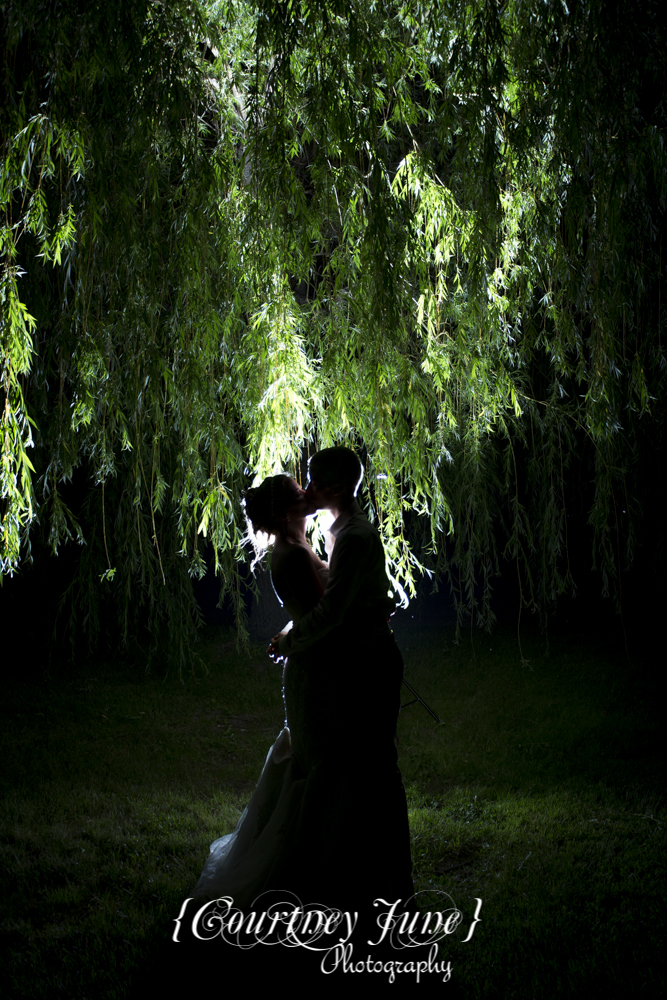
(266, 505)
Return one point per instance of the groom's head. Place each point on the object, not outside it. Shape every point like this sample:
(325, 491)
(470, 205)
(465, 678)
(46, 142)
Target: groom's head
(335, 474)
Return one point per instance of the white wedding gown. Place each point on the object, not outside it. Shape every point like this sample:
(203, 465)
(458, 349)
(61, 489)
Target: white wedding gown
(246, 862)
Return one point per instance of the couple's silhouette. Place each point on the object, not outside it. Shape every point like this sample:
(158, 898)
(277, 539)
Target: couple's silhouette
(327, 823)
(328, 819)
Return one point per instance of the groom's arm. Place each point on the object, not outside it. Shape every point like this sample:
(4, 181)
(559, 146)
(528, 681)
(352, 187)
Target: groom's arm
(349, 567)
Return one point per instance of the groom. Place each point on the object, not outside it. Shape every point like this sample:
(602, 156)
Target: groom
(350, 621)
(358, 592)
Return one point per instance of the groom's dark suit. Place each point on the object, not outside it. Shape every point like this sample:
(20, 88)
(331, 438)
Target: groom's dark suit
(357, 672)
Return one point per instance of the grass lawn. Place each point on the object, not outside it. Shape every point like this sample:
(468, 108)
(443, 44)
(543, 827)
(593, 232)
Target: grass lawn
(541, 793)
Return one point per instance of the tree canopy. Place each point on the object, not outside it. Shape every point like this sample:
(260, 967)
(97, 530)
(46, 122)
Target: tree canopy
(233, 232)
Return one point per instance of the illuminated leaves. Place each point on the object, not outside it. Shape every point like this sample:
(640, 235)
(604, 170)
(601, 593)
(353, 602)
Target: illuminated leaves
(431, 231)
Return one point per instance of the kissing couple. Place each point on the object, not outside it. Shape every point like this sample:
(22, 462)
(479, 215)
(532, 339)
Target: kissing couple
(328, 819)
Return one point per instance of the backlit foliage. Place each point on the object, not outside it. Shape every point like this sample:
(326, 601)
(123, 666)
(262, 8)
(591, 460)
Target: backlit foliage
(233, 231)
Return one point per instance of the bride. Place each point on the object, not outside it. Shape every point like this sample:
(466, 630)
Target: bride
(265, 851)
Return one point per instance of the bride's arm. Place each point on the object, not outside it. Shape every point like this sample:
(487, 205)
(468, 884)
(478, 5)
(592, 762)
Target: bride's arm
(297, 583)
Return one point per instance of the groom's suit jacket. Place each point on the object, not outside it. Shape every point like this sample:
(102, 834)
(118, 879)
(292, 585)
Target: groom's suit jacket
(358, 591)
(347, 699)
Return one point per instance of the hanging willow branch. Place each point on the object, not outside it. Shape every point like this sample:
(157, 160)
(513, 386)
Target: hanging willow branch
(233, 232)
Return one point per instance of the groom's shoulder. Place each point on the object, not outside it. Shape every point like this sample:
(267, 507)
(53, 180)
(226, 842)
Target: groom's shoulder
(359, 526)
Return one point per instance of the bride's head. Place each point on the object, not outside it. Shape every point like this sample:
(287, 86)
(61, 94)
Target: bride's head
(278, 507)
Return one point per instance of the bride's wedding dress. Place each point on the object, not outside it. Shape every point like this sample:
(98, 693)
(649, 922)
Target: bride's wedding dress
(256, 856)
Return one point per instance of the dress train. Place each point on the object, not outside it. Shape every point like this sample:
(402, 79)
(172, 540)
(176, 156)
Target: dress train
(242, 863)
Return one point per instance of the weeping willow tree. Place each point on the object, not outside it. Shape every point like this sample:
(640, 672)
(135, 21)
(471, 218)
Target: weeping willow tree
(232, 233)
